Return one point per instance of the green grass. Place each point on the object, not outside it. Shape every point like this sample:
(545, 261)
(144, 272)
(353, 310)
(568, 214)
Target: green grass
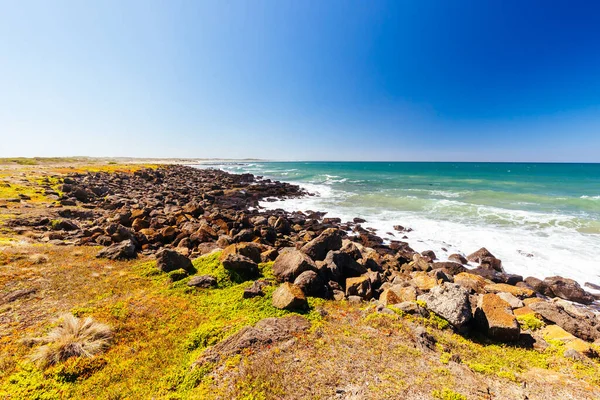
(447, 394)
(160, 331)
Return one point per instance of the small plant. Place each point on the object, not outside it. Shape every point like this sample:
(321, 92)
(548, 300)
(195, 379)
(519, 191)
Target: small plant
(73, 337)
(529, 322)
(447, 394)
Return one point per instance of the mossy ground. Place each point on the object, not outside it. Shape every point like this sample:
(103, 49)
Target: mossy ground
(162, 327)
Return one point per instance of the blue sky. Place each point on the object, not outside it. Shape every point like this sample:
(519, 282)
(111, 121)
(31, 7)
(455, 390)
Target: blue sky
(312, 80)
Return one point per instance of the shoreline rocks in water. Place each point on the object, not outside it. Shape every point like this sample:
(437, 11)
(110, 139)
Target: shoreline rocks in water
(178, 212)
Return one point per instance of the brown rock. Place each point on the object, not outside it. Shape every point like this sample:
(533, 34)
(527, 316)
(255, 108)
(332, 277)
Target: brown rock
(329, 240)
(290, 263)
(519, 292)
(495, 318)
(289, 297)
(359, 286)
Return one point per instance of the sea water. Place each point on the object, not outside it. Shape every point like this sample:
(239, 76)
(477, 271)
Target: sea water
(541, 219)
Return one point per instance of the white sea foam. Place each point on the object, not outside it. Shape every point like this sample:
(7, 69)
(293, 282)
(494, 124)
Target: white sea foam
(556, 248)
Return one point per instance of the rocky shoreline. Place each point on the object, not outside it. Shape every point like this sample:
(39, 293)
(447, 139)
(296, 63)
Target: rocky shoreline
(178, 213)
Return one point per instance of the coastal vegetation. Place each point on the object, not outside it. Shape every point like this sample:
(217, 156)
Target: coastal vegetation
(156, 334)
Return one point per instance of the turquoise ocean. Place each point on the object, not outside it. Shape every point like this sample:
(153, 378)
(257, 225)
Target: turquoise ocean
(541, 219)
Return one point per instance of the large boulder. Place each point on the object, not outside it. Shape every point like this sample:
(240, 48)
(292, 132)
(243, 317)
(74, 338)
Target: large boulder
(329, 239)
(495, 318)
(242, 265)
(340, 265)
(539, 286)
(289, 297)
(479, 255)
(290, 264)
(311, 284)
(568, 289)
(125, 250)
(451, 302)
(583, 328)
(170, 260)
(359, 286)
(520, 292)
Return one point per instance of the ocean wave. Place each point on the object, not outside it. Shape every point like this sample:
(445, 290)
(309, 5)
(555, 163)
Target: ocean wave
(590, 197)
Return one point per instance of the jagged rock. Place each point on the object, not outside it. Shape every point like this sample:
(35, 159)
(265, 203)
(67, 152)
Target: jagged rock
(241, 265)
(359, 286)
(568, 289)
(121, 251)
(268, 331)
(539, 286)
(289, 297)
(495, 318)
(397, 294)
(311, 284)
(575, 325)
(203, 281)
(317, 249)
(479, 255)
(411, 307)
(290, 264)
(341, 265)
(458, 258)
(170, 260)
(449, 301)
(250, 250)
(256, 289)
(451, 268)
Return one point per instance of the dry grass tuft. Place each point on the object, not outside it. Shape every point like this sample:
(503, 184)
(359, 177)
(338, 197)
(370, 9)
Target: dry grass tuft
(73, 337)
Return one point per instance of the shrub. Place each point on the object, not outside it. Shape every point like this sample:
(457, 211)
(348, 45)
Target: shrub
(529, 322)
(73, 337)
(447, 394)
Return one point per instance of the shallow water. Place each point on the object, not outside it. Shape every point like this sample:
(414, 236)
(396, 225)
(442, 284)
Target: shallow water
(549, 211)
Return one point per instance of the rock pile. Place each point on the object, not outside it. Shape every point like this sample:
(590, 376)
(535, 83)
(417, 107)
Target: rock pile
(177, 212)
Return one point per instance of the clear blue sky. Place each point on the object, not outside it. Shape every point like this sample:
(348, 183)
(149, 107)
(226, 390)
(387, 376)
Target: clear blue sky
(336, 80)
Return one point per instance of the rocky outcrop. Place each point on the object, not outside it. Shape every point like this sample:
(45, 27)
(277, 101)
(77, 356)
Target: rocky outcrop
(359, 286)
(451, 302)
(266, 332)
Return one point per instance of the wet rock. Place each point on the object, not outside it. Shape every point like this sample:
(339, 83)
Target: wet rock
(449, 301)
(170, 260)
(494, 317)
(290, 264)
(125, 250)
(429, 254)
(539, 286)
(289, 297)
(480, 255)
